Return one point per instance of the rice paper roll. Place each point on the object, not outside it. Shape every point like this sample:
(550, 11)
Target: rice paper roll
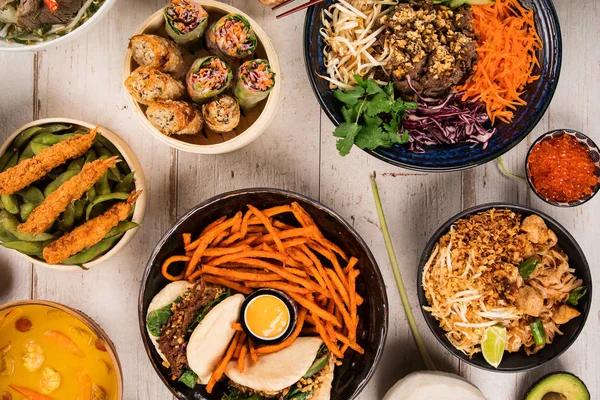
(185, 21)
(208, 77)
(222, 114)
(231, 37)
(255, 81)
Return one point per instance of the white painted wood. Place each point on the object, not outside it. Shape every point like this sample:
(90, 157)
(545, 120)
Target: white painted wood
(82, 80)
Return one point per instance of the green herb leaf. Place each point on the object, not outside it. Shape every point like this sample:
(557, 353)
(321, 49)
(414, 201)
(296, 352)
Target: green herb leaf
(350, 97)
(189, 379)
(371, 137)
(350, 114)
(389, 90)
(157, 319)
(379, 104)
(372, 121)
(317, 366)
(346, 132)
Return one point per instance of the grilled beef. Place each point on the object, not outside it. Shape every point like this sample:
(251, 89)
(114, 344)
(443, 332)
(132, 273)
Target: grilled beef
(175, 334)
(34, 13)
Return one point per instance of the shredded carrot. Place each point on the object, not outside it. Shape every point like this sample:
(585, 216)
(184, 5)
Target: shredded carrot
(508, 42)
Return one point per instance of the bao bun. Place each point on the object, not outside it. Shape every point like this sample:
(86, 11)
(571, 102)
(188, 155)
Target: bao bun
(212, 336)
(277, 371)
(433, 385)
(165, 297)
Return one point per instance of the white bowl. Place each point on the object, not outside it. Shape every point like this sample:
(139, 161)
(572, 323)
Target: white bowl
(251, 126)
(140, 184)
(79, 31)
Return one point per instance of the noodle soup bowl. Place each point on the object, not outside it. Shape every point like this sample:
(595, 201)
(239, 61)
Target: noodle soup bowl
(79, 31)
(518, 361)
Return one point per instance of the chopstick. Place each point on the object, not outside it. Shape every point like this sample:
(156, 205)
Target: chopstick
(285, 3)
(299, 8)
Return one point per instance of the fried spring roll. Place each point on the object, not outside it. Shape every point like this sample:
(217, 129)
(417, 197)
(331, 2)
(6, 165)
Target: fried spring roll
(46, 213)
(33, 169)
(148, 84)
(158, 52)
(90, 233)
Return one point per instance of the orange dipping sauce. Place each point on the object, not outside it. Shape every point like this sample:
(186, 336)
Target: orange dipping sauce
(561, 170)
(267, 317)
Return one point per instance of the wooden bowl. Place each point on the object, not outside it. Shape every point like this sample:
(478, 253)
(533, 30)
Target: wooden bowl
(251, 126)
(140, 184)
(89, 323)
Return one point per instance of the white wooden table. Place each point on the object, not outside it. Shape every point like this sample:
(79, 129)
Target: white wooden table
(82, 79)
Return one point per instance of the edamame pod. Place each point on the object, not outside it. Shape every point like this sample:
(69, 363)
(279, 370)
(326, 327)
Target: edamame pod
(23, 137)
(50, 139)
(90, 156)
(10, 203)
(126, 185)
(6, 158)
(27, 153)
(54, 185)
(103, 198)
(38, 147)
(122, 227)
(29, 248)
(67, 218)
(91, 194)
(9, 223)
(113, 173)
(6, 236)
(13, 160)
(56, 127)
(32, 195)
(93, 252)
(26, 209)
(76, 164)
(79, 208)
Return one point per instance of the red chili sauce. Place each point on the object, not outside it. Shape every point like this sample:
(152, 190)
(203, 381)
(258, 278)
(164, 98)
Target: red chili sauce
(561, 169)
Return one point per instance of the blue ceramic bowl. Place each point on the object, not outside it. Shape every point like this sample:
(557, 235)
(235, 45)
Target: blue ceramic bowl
(459, 156)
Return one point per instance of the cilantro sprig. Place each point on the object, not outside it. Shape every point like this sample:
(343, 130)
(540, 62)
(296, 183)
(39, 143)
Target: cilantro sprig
(372, 116)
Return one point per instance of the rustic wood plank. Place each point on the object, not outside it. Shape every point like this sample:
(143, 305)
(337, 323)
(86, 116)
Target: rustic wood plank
(82, 79)
(16, 109)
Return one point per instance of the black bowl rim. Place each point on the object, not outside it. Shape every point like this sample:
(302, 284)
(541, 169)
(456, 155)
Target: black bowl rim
(384, 329)
(289, 305)
(532, 186)
(443, 229)
(535, 121)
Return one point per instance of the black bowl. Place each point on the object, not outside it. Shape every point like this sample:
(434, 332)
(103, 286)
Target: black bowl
(594, 153)
(519, 361)
(356, 370)
(463, 155)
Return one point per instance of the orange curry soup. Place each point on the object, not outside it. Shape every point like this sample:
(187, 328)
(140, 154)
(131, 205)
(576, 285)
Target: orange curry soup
(48, 354)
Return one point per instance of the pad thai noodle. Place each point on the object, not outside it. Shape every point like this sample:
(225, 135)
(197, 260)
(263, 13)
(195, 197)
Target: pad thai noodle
(495, 268)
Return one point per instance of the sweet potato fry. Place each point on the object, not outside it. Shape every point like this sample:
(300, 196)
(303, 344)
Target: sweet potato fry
(249, 254)
(237, 327)
(200, 245)
(326, 339)
(242, 358)
(290, 233)
(220, 369)
(289, 340)
(245, 222)
(333, 259)
(240, 346)
(219, 239)
(353, 345)
(195, 276)
(315, 309)
(187, 239)
(238, 275)
(339, 286)
(284, 287)
(222, 251)
(351, 265)
(252, 351)
(231, 239)
(282, 225)
(212, 225)
(165, 267)
(224, 282)
(265, 221)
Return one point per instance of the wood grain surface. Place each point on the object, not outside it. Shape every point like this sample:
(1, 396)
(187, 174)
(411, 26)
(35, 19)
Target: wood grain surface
(82, 79)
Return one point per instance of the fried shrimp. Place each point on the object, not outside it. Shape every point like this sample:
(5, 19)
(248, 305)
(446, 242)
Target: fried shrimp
(33, 169)
(46, 213)
(90, 233)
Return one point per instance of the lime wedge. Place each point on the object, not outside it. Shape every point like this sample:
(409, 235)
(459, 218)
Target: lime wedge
(493, 345)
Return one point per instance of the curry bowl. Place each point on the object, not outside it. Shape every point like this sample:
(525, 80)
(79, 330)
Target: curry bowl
(252, 123)
(129, 161)
(451, 157)
(63, 348)
(356, 369)
(519, 360)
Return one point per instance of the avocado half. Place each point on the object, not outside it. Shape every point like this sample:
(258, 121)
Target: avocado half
(558, 386)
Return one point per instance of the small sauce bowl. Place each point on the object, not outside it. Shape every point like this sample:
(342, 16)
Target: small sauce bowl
(593, 152)
(268, 316)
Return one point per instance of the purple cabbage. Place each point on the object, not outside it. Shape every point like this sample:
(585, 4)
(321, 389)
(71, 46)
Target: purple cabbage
(446, 121)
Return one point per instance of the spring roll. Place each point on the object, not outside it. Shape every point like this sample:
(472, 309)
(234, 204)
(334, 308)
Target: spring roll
(175, 117)
(158, 52)
(185, 21)
(208, 77)
(147, 85)
(231, 37)
(222, 114)
(255, 81)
